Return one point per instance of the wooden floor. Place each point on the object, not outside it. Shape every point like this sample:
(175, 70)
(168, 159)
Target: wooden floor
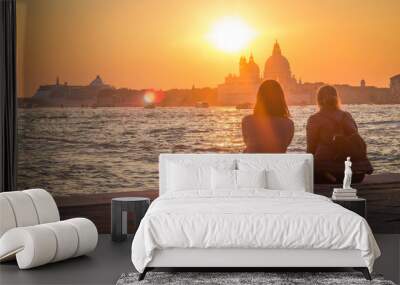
(103, 266)
(381, 191)
(110, 259)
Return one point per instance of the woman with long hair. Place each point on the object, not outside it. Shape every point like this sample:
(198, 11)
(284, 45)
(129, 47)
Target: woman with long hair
(332, 135)
(269, 129)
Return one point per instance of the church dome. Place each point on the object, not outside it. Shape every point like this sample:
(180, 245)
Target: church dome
(277, 66)
(99, 84)
(97, 81)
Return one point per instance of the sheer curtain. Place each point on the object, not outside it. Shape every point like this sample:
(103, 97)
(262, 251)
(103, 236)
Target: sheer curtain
(8, 100)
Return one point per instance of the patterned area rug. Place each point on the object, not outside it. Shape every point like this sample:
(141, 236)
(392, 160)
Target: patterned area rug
(230, 278)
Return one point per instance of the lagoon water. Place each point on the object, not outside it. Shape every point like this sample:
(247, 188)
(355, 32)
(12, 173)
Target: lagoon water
(85, 150)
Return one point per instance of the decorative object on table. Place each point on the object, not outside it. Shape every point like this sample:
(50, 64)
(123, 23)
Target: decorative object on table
(31, 230)
(344, 194)
(119, 214)
(248, 278)
(347, 192)
(356, 205)
(347, 174)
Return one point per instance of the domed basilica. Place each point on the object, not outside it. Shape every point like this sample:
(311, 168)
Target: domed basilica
(243, 88)
(277, 67)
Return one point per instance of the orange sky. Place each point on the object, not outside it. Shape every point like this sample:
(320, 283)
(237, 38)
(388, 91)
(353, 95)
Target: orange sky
(162, 44)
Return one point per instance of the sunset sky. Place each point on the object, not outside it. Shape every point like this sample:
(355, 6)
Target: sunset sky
(165, 44)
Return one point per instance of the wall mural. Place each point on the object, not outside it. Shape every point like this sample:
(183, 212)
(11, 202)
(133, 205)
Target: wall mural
(105, 86)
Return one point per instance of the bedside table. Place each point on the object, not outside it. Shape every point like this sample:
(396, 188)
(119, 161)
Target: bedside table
(119, 214)
(357, 205)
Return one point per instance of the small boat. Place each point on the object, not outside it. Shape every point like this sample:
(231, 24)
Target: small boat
(243, 106)
(150, 106)
(202, 105)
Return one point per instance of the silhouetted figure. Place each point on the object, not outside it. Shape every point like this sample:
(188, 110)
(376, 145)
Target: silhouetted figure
(269, 129)
(332, 135)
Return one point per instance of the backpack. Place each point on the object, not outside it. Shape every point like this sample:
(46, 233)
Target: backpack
(352, 145)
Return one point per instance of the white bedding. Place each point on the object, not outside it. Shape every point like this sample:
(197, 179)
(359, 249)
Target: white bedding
(250, 219)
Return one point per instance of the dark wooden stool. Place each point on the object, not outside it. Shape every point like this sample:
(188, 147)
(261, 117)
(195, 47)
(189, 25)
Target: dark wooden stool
(119, 214)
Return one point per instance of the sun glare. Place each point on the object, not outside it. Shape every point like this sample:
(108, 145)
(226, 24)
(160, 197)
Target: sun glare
(231, 34)
(149, 97)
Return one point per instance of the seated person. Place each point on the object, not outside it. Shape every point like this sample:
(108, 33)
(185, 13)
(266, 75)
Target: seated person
(332, 134)
(269, 129)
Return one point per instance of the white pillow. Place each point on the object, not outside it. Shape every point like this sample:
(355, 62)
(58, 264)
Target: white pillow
(230, 180)
(251, 178)
(223, 179)
(281, 175)
(292, 178)
(188, 177)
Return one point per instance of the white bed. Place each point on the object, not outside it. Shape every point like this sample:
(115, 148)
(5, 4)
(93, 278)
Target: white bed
(280, 225)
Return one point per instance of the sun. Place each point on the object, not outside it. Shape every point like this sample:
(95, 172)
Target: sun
(231, 34)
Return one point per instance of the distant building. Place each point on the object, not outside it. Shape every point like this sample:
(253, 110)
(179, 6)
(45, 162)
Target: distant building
(70, 95)
(236, 89)
(277, 67)
(52, 89)
(243, 88)
(395, 85)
